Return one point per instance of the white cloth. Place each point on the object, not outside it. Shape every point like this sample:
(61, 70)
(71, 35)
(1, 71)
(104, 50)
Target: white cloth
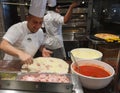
(53, 24)
(51, 3)
(38, 7)
(20, 37)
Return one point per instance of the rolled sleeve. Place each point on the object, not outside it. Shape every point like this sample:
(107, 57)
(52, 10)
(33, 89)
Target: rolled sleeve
(59, 19)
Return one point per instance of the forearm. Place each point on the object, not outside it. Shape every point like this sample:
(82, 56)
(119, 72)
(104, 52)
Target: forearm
(9, 49)
(68, 15)
(69, 12)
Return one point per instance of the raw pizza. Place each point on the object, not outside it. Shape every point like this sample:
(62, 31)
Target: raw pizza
(47, 65)
(106, 36)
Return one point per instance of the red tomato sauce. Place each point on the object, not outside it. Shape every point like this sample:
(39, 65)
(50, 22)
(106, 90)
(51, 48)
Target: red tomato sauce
(93, 71)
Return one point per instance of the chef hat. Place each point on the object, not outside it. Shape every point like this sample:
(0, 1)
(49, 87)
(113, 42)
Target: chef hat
(38, 7)
(51, 3)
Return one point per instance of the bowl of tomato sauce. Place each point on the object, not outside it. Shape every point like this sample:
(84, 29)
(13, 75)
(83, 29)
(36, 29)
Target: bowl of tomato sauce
(93, 74)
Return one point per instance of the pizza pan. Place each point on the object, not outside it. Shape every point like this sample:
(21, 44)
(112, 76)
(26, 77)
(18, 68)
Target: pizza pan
(95, 38)
(92, 37)
(52, 87)
(46, 76)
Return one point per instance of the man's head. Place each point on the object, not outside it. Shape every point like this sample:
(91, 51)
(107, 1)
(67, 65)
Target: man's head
(36, 13)
(52, 6)
(34, 23)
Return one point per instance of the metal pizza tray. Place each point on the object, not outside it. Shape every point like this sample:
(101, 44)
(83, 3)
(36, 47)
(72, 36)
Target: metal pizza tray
(36, 86)
(99, 40)
(46, 87)
(10, 84)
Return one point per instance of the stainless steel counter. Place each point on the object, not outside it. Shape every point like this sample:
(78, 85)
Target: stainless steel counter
(15, 86)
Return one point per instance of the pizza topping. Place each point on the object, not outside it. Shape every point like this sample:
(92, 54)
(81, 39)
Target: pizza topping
(108, 37)
(47, 64)
(59, 78)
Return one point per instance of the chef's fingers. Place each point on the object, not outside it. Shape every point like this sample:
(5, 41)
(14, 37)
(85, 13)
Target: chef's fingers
(26, 58)
(46, 53)
(49, 53)
(29, 61)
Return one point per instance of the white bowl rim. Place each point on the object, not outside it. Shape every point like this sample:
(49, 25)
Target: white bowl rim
(111, 75)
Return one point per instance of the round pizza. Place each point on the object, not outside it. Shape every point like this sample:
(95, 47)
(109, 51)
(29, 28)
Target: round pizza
(108, 37)
(46, 65)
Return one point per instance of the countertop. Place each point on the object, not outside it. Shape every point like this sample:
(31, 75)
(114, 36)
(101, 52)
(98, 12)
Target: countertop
(15, 66)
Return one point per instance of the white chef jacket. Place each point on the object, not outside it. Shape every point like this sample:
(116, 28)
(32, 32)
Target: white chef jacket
(20, 37)
(53, 24)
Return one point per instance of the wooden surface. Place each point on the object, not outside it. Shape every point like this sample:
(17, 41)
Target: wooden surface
(10, 66)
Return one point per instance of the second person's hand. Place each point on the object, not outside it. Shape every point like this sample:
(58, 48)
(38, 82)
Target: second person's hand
(46, 53)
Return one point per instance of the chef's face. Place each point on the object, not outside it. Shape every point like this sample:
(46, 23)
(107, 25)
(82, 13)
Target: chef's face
(34, 23)
(58, 9)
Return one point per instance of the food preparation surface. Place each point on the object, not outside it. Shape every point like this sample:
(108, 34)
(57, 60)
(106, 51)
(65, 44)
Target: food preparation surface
(26, 87)
(29, 86)
(17, 66)
(10, 66)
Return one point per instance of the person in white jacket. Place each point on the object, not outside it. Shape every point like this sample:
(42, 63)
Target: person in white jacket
(22, 40)
(53, 22)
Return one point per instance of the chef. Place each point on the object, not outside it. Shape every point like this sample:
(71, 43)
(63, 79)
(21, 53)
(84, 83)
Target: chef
(53, 22)
(22, 40)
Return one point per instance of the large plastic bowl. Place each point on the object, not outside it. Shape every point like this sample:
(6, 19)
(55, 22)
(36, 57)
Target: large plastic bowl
(94, 82)
(86, 53)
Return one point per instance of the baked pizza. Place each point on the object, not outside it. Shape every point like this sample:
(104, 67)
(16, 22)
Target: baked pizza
(108, 37)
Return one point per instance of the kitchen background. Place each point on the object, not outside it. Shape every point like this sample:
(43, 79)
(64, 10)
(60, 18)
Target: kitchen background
(90, 17)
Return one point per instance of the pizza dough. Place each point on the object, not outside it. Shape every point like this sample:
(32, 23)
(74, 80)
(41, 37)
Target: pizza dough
(47, 65)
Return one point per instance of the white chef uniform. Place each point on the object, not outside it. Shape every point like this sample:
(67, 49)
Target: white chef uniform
(20, 37)
(51, 3)
(53, 24)
(38, 7)
(53, 29)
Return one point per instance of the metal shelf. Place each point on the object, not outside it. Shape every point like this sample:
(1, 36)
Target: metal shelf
(76, 20)
(18, 4)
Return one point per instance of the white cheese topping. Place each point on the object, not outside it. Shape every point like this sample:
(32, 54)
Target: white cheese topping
(48, 65)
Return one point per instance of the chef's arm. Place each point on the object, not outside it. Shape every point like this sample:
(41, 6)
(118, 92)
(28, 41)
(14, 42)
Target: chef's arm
(11, 50)
(45, 52)
(69, 11)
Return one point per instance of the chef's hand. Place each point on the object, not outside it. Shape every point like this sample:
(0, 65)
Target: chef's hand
(26, 58)
(46, 53)
(74, 4)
